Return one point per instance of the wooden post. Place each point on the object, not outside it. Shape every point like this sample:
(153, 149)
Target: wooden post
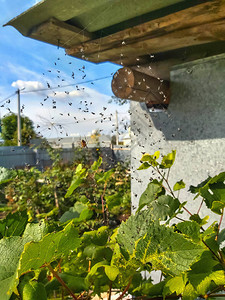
(133, 85)
(19, 137)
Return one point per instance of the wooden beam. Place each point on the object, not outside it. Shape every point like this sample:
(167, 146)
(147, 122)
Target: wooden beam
(171, 32)
(133, 85)
(60, 33)
(198, 35)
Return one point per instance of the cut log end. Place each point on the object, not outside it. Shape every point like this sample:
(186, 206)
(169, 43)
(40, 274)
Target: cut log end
(133, 85)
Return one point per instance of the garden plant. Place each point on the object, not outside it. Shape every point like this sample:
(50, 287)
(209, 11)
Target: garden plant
(85, 253)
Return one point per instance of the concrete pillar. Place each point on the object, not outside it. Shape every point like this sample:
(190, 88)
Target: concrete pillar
(194, 125)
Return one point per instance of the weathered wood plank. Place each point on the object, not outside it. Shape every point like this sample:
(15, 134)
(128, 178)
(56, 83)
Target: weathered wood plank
(59, 33)
(155, 32)
(202, 34)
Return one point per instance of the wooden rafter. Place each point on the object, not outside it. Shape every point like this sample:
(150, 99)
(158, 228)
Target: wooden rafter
(60, 33)
(200, 24)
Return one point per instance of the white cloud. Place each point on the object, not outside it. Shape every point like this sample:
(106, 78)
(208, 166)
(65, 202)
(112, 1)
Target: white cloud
(27, 85)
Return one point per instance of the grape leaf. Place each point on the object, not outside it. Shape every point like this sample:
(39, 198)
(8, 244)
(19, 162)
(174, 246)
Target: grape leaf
(179, 185)
(174, 285)
(151, 159)
(14, 224)
(95, 166)
(166, 250)
(212, 191)
(112, 272)
(168, 160)
(50, 248)
(163, 207)
(144, 166)
(10, 251)
(34, 290)
(204, 271)
(190, 229)
(78, 213)
(78, 179)
(152, 191)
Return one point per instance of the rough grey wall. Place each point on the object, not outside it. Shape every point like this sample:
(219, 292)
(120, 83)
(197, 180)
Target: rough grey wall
(194, 125)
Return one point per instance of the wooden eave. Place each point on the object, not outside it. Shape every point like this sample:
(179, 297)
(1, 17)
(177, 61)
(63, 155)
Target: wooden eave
(68, 27)
(201, 24)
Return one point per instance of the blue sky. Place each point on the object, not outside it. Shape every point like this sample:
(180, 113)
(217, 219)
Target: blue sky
(30, 64)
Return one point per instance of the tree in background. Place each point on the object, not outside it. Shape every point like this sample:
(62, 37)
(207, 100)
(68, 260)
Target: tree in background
(9, 130)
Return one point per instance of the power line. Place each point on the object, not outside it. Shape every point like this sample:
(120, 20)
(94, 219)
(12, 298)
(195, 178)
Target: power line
(8, 97)
(66, 85)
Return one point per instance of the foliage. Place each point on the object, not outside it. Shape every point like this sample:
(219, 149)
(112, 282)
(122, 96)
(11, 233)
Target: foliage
(9, 130)
(79, 256)
(47, 194)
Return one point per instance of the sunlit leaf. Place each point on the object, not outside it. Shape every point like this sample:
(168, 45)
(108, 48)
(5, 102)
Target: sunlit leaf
(148, 241)
(112, 272)
(168, 160)
(144, 166)
(96, 165)
(174, 285)
(179, 185)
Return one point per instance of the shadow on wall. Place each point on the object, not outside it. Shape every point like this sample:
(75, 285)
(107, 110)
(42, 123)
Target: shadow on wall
(197, 106)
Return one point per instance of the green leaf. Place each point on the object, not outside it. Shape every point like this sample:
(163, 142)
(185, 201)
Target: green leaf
(14, 224)
(174, 285)
(151, 290)
(98, 237)
(217, 207)
(203, 272)
(96, 165)
(197, 219)
(179, 185)
(148, 241)
(49, 249)
(168, 160)
(35, 231)
(189, 292)
(212, 191)
(127, 268)
(10, 251)
(113, 200)
(190, 229)
(106, 176)
(153, 190)
(80, 212)
(34, 290)
(144, 166)
(151, 159)
(112, 272)
(78, 179)
(163, 207)
(95, 268)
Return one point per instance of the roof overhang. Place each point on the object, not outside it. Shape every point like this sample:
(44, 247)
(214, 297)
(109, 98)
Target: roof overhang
(129, 32)
(119, 30)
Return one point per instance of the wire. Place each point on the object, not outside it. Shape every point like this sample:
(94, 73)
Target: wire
(8, 97)
(66, 85)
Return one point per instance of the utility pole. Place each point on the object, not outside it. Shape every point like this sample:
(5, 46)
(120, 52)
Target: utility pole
(117, 129)
(19, 139)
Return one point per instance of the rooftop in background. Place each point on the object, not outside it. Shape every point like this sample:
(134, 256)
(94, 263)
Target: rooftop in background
(124, 31)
